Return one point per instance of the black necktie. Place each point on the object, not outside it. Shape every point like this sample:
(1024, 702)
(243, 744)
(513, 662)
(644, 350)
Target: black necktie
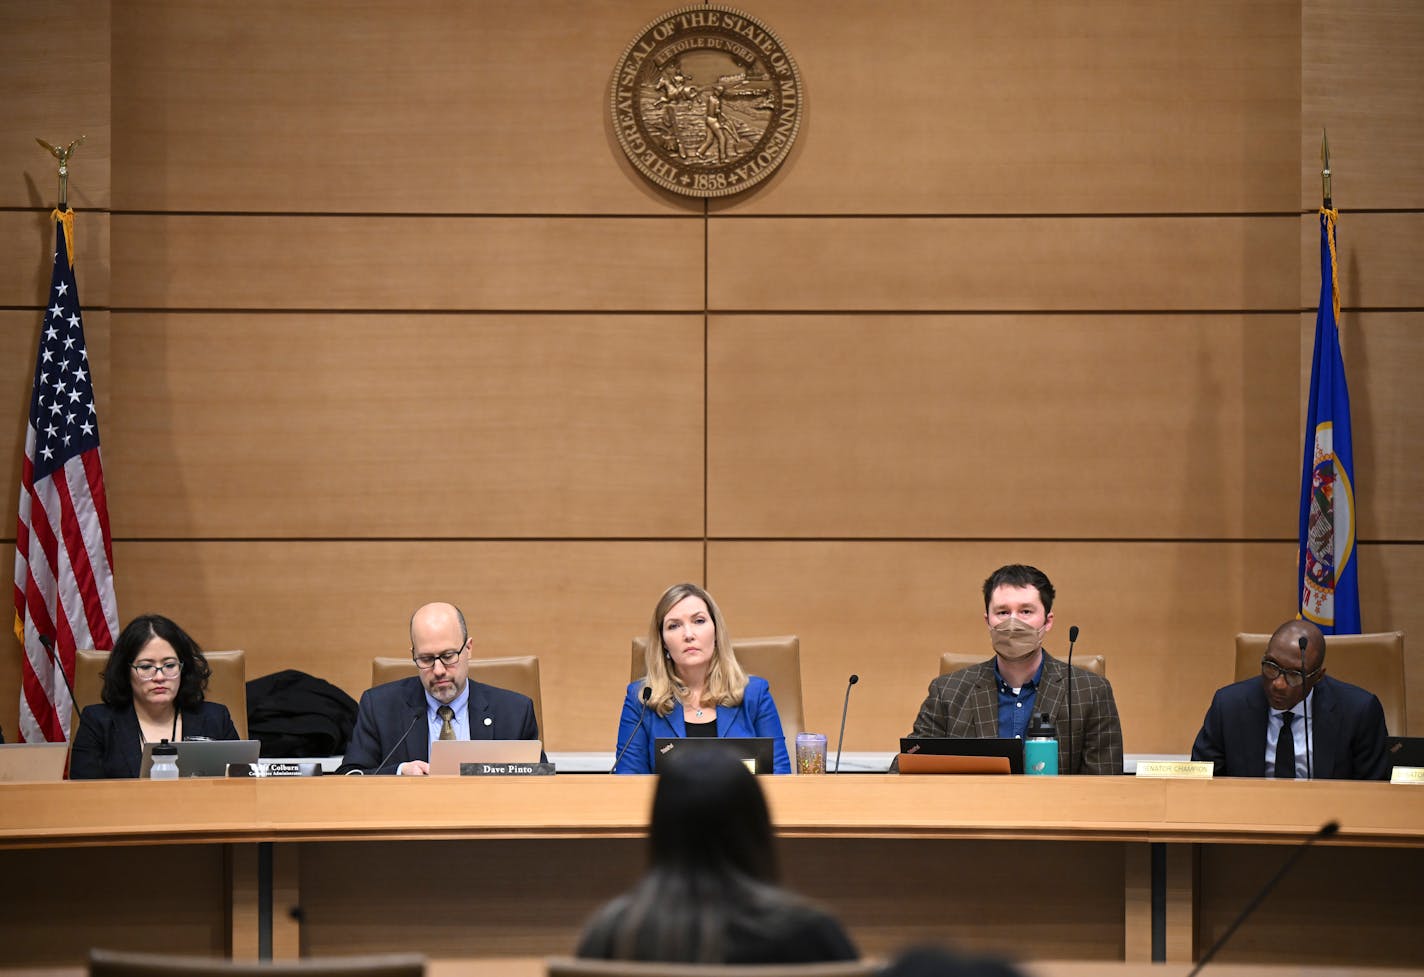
(1285, 749)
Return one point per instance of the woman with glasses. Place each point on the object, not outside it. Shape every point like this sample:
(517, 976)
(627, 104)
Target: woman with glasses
(153, 690)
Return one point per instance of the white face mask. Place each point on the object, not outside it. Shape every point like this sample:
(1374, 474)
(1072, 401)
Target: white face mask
(1015, 640)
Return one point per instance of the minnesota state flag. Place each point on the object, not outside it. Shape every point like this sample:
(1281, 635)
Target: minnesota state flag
(1329, 589)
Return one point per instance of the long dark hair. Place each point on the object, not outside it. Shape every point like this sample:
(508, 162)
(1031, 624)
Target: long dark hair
(118, 676)
(712, 874)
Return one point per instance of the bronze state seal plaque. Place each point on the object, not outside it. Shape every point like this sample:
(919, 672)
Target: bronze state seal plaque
(706, 101)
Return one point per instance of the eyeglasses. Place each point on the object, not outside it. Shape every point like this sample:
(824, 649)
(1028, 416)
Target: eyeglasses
(1271, 671)
(145, 670)
(446, 658)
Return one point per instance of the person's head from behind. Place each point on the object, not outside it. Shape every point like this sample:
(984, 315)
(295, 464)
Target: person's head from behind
(155, 663)
(1288, 674)
(709, 817)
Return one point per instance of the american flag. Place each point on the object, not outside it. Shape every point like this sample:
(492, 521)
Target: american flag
(64, 581)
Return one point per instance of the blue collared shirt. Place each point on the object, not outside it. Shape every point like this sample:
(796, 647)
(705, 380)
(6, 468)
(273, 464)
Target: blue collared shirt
(461, 722)
(1016, 708)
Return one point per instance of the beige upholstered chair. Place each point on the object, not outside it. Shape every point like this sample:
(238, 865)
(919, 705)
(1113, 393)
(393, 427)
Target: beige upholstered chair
(574, 967)
(952, 662)
(1371, 661)
(111, 963)
(777, 659)
(227, 685)
(517, 674)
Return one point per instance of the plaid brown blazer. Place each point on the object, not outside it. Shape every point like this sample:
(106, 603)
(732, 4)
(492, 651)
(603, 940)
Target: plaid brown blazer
(965, 704)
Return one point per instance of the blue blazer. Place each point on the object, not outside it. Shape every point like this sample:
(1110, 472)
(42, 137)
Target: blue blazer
(107, 744)
(756, 716)
(399, 708)
(1349, 740)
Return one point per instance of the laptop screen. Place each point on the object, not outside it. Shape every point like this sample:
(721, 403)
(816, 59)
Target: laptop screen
(447, 755)
(757, 752)
(205, 758)
(971, 747)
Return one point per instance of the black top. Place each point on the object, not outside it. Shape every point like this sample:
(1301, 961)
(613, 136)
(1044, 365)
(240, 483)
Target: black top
(783, 929)
(703, 730)
(109, 744)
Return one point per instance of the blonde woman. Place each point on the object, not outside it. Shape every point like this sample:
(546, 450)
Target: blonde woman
(694, 685)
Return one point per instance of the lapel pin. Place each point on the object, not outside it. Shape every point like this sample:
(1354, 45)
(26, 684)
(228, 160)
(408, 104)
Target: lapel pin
(489, 721)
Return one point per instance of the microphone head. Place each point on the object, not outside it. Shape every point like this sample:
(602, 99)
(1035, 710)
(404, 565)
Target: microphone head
(46, 640)
(647, 693)
(1073, 634)
(1302, 642)
(1327, 829)
(854, 679)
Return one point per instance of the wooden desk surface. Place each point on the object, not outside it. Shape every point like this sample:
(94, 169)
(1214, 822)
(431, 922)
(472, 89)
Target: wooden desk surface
(590, 806)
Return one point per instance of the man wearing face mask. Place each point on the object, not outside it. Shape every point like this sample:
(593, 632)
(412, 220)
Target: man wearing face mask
(1001, 696)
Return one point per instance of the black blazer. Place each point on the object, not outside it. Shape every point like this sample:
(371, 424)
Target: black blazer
(107, 744)
(1349, 741)
(398, 708)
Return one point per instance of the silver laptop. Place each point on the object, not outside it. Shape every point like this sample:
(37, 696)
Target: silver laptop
(33, 761)
(205, 758)
(447, 755)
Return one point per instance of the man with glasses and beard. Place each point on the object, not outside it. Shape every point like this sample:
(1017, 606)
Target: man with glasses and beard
(396, 722)
(1257, 727)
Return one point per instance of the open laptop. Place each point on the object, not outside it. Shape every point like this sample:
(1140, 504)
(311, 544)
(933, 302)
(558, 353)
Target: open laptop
(33, 761)
(447, 755)
(969, 755)
(1404, 751)
(205, 758)
(757, 752)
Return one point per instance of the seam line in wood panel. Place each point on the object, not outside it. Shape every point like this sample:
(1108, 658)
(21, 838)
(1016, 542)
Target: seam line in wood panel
(706, 376)
(10, 540)
(875, 310)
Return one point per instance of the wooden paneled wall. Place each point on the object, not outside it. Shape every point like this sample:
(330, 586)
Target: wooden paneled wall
(379, 315)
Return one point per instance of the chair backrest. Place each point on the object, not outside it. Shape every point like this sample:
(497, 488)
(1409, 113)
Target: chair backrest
(574, 967)
(227, 684)
(1371, 661)
(953, 662)
(111, 963)
(519, 673)
(776, 659)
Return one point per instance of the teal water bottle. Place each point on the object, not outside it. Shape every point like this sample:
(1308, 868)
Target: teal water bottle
(1041, 748)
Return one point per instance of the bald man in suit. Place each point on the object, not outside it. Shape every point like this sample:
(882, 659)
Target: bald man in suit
(1257, 727)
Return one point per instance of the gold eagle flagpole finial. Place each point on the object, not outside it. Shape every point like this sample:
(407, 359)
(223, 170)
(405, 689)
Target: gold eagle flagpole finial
(63, 156)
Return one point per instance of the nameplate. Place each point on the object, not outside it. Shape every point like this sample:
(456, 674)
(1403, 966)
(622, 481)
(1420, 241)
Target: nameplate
(1176, 769)
(1407, 775)
(300, 768)
(506, 769)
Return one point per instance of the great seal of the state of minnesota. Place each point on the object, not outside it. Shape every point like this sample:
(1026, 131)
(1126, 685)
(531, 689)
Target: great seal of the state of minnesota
(706, 101)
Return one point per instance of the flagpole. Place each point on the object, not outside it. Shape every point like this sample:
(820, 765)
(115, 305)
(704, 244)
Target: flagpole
(1325, 170)
(63, 156)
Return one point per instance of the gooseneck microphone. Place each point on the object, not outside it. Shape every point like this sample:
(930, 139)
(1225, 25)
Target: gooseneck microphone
(1305, 708)
(1068, 734)
(844, 709)
(642, 712)
(1324, 831)
(49, 648)
(414, 719)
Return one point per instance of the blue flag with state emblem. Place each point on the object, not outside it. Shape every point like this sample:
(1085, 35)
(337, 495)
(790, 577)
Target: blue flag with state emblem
(1329, 588)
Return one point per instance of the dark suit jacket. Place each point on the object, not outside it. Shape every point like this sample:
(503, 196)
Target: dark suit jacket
(965, 704)
(1349, 738)
(107, 744)
(398, 708)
